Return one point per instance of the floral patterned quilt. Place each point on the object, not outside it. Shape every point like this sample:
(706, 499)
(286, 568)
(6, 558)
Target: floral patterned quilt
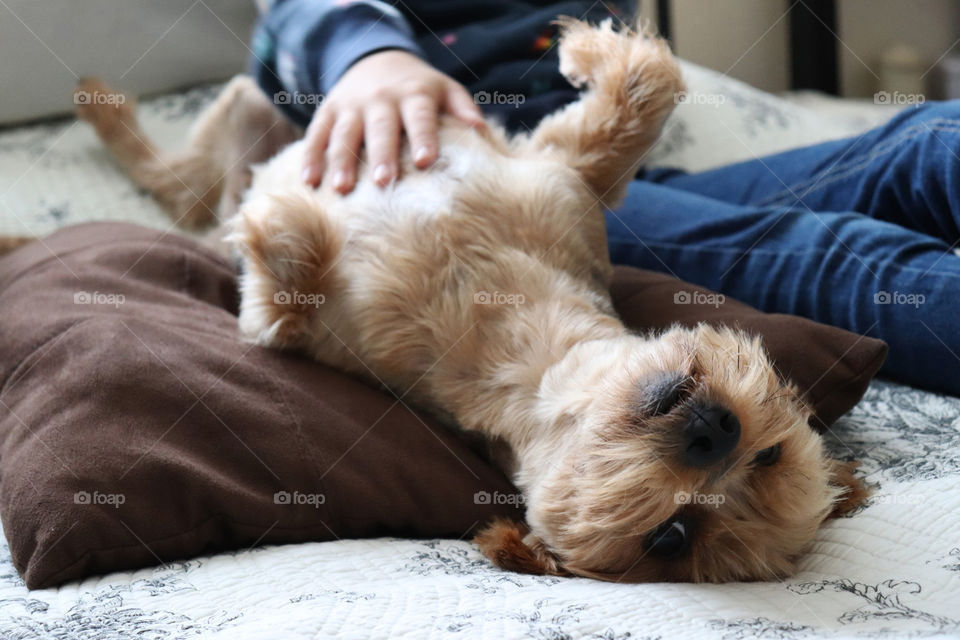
(891, 570)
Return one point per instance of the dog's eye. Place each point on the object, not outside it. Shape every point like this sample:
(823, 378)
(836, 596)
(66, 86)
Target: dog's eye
(669, 540)
(768, 456)
(668, 395)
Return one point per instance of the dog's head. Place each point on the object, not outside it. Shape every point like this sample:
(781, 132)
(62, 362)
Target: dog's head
(683, 458)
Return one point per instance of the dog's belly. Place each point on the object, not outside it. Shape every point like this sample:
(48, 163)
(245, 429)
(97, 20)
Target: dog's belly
(414, 261)
(420, 195)
(430, 261)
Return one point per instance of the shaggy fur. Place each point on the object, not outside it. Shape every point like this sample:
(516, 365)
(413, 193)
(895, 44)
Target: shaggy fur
(478, 290)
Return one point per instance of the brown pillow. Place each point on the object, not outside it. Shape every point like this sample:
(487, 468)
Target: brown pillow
(135, 426)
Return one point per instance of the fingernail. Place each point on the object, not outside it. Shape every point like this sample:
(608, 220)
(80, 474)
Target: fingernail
(309, 175)
(422, 154)
(339, 179)
(381, 175)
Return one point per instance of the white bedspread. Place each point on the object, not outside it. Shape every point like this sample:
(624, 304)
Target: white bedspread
(891, 570)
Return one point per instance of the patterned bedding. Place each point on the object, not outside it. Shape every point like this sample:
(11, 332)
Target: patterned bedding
(892, 570)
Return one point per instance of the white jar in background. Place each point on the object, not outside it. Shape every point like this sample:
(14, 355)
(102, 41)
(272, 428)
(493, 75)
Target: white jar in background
(901, 71)
(943, 82)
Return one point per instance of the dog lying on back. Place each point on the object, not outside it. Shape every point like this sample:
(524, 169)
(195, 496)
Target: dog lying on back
(478, 289)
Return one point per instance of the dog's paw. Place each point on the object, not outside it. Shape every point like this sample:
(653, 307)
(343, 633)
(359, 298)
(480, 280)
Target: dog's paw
(289, 247)
(510, 545)
(579, 49)
(854, 490)
(604, 56)
(103, 106)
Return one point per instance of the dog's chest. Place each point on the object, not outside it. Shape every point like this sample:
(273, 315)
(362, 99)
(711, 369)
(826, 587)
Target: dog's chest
(420, 198)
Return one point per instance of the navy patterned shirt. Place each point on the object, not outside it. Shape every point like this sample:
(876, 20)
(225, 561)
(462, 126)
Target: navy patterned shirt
(502, 51)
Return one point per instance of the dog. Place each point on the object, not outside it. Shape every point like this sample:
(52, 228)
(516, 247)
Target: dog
(479, 289)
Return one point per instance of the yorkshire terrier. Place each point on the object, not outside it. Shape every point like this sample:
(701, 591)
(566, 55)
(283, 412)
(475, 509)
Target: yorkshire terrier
(479, 288)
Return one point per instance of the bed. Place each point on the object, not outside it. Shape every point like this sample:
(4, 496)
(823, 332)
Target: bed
(890, 570)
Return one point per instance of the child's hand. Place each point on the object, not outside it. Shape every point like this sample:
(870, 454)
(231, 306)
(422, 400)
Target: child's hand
(377, 99)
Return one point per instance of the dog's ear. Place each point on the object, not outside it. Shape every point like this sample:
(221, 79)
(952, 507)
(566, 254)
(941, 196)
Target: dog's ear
(511, 546)
(855, 490)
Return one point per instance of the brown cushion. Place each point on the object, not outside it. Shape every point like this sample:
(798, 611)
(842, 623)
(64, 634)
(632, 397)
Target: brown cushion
(135, 426)
(141, 427)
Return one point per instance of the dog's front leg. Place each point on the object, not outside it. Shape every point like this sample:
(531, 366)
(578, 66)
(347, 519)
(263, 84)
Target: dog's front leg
(289, 248)
(632, 83)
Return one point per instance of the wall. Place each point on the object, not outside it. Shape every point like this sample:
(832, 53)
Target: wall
(870, 27)
(749, 39)
(142, 46)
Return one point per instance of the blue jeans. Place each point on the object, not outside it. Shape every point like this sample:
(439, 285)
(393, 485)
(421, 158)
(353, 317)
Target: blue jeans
(856, 233)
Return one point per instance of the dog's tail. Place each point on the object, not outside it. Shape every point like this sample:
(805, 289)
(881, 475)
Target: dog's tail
(633, 83)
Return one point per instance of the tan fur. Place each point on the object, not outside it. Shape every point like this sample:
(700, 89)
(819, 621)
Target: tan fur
(395, 285)
(854, 491)
(505, 542)
(205, 181)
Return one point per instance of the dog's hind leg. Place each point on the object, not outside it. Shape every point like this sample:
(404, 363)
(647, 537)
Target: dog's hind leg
(632, 83)
(204, 181)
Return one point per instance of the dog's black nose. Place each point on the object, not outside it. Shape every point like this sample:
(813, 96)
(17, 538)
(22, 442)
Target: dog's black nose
(712, 433)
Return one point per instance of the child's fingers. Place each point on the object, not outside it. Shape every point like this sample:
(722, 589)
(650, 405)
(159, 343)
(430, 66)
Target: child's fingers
(317, 137)
(382, 139)
(420, 115)
(344, 150)
(461, 105)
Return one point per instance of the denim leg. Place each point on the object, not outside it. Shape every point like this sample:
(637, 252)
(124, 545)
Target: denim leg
(844, 269)
(906, 172)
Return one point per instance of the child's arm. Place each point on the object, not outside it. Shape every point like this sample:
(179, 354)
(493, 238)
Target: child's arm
(360, 63)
